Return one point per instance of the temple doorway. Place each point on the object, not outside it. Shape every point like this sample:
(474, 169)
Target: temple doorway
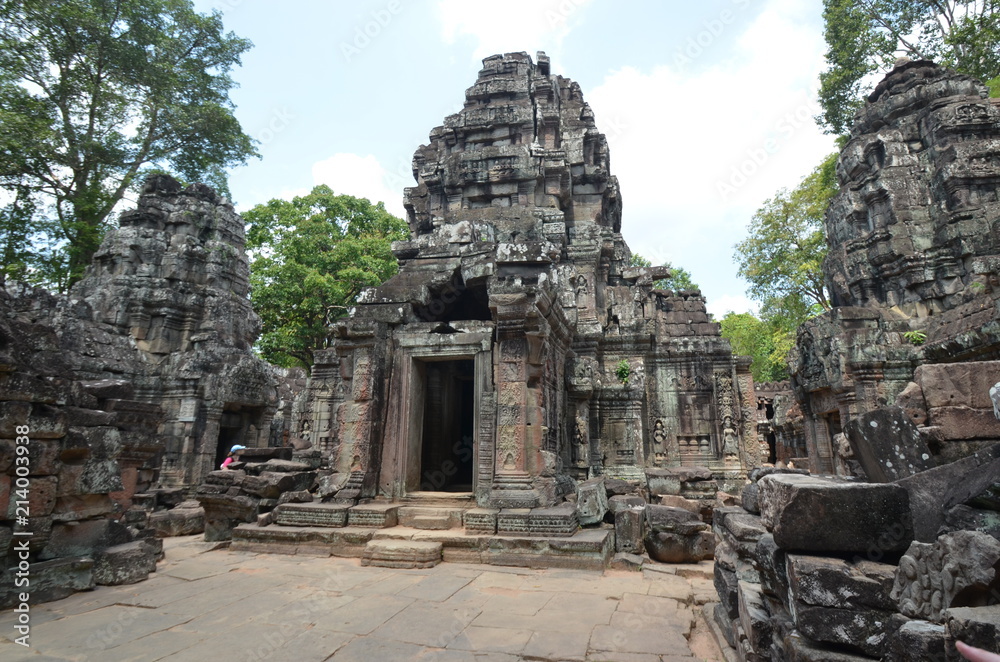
(448, 430)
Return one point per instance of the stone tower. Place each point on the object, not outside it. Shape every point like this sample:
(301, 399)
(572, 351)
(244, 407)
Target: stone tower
(517, 350)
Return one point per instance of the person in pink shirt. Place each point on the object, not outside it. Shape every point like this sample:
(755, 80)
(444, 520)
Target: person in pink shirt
(232, 456)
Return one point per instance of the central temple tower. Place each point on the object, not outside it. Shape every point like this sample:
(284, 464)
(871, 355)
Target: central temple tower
(517, 349)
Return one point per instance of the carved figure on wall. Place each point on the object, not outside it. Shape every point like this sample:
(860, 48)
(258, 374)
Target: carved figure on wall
(581, 454)
(730, 442)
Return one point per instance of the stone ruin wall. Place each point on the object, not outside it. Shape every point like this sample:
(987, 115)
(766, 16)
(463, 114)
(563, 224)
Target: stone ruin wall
(516, 262)
(902, 562)
(913, 243)
(132, 384)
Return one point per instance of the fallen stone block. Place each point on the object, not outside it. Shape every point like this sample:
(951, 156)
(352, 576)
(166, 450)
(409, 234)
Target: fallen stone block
(674, 535)
(887, 445)
(311, 514)
(935, 491)
(74, 539)
(124, 564)
(179, 521)
(591, 501)
(630, 530)
(662, 482)
(869, 630)
(976, 626)
(812, 513)
(727, 586)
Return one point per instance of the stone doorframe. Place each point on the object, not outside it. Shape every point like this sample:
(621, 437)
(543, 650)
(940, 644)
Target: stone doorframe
(401, 448)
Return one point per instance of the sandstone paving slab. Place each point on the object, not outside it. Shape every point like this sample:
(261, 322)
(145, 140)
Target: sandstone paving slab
(92, 633)
(516, 602)
(242, 642)
(497, 640)
(196, 569)
(434, 626)
(595, 608)
(468, 596)
(153, 647)
(674, 587)
(11, 652)
(617, 656)
(435, 588)
(636, 633)
(446, 655)
(364, 614)
(372, 649)
(496, 579)
(606, 585)
(313, 645)
(237, 590)
(557, 646)
(387, 585)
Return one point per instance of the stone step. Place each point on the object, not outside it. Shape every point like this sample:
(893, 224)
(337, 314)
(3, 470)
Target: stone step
(346, 542)
(376, 515)
(430, 517)
(311, 514)
(402, 554)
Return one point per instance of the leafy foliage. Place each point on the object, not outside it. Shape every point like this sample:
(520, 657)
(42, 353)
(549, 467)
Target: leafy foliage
(680, 278)
(92, 92)
(766, 342)
(783, 253)
(623, 371)
(867, 36)
(310, 258)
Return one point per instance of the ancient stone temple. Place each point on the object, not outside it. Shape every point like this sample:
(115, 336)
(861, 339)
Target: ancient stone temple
(167, 293)
(914, 246)
(517, 349)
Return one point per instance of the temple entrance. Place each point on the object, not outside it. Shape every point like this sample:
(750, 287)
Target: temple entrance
(230, 433)
(448, 430)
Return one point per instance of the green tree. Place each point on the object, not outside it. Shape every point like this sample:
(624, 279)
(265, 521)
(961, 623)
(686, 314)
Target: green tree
(679, 279)
(766, 342)
(867, 36)
(94, 91)
(310, 258)
(782, 256)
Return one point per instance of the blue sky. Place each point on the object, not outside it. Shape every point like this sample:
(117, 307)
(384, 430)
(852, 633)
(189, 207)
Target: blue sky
(707, 106)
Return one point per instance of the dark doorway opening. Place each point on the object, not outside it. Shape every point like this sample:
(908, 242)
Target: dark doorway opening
(230, 433)
(446, 454)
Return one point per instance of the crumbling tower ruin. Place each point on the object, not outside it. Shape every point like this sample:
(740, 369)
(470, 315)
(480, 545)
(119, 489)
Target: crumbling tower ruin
(517, 349)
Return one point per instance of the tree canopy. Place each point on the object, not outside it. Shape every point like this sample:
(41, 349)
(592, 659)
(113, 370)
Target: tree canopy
(867, 36)
(310, 258)
(91, 93)
(766, 342)
(680, 278)
(782, 256)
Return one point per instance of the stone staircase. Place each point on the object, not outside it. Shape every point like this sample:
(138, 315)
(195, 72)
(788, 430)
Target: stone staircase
(422, 532)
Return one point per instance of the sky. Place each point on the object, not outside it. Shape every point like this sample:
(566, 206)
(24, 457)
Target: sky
(708, 107)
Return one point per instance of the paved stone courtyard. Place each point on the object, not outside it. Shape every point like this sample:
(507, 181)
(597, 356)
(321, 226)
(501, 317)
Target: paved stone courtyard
(204, 604)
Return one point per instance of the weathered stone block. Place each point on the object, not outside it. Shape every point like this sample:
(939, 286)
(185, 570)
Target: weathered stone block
(976, 626)
(83, 538)
(402, 554)
(81, 507)
(754, 617)
(888, 445)
(591, 501)
(124, 564)
(178, 521)
(935, 491)
(867, 629)
(809, 513)
(311, 514)
(674, 535)
(50, 580)
(675, 501)
(917, 641)
(831, 582)
(727, 586)
(661, 482)
(629, 530)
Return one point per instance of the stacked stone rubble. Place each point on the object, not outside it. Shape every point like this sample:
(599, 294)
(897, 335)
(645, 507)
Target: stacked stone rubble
(516, 283)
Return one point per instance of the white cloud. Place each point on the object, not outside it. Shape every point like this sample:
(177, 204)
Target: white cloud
(360, 176)
(697, 152)
(521, 25)
(730, 304)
